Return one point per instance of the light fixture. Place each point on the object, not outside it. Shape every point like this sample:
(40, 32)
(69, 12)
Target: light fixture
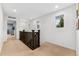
(14, 10)
(56, 6)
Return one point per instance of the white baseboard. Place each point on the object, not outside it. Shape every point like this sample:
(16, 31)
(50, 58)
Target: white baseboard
(57, 43)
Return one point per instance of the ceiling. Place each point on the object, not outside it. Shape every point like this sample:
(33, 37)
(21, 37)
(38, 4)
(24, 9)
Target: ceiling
(31, 10)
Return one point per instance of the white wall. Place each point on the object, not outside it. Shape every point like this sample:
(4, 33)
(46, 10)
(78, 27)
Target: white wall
(77, 41)
(22, 24)
(66, 36)
(1, 27)
(5, 28)
(34, 24)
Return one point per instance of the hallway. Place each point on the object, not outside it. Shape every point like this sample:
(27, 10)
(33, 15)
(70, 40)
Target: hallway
(15, 47)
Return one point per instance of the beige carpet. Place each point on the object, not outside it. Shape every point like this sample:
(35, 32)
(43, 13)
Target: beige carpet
(16, 48)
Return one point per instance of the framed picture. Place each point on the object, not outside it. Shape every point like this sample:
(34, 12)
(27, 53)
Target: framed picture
(38, 26)
(60, 21)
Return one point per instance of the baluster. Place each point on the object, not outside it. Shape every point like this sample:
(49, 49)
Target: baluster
(33, 39)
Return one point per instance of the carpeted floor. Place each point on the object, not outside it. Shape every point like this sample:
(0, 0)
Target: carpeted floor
(16, 48)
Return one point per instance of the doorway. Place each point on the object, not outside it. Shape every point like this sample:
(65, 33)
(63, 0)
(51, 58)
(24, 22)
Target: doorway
(11, 28)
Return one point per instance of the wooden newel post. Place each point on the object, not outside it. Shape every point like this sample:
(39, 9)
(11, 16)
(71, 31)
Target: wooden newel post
(38, 37)
(32, 39)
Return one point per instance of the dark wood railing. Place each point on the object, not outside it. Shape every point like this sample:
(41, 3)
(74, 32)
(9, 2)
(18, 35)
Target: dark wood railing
(31, 39)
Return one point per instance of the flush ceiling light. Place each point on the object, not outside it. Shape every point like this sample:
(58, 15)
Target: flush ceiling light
(14, 10)
(56, 6)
